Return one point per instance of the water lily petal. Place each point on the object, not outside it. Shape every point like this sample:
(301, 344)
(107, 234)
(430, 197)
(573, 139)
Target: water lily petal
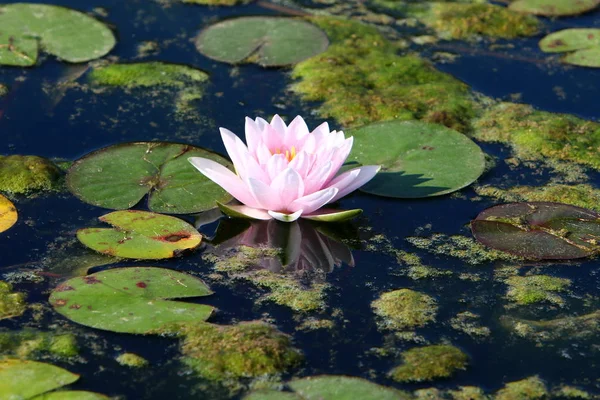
(275, 166)
(253, 135)
(245, 165)
(365, 174)
(339, 157)
(317, 178)
(297, 130)
(279, 125)
(267, 197)
(289, 186)
(224, 178)
(285, 217)
(302, 163)
(314, 201)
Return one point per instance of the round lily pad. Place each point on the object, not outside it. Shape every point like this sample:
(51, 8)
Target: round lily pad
(8, 214)
(539, 230)
(141, 235)
(131, 300)
(119, 176)
(70, 35)
(331, 387)
(71, 395)
(554, 8)
(582, 46)
(267, 41)
(418, 159)
(21, 379)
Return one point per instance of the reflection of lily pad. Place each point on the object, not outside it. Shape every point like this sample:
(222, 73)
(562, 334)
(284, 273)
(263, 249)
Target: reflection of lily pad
(267, 41)
(26, 379)
(554, 8)
(418, 159)
(332, 387)
(8, 214)
(131, 300)
(67, 34)
(119, 176)
(583, 46)
(141, 235)
(539, 230)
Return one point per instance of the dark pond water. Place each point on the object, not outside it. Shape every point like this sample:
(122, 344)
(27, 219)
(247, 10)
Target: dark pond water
(38, 119)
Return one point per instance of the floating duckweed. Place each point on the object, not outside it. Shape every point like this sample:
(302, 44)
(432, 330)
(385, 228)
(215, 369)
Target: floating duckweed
(531, 289)
(537, 135)
(132, 360)
(27, 343)
(468, 393)
(531, 388)
(416, 269)
(244, 350)
(429, 394)
(567, 328)
(313, 324)
(147, 74)
(429, 363)
(582, 195)
(24, 174)
(360, 79)
(3, 90)
(462, 21)
(570, 392)
(404, 309)
(468, 323)
(462, 247)
(11, 304)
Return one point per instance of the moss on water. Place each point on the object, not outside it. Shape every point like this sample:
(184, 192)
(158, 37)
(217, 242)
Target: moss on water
(28, 343)
(532, 388)
(361, 79)
(468, 323)
(468, 393)
(404, 309)
(566, 328)
(244, 350)
(11, 304)
(3, 90)
(525, 290)
(147, 74)
(26, 174)
(463, 21)
(540, 135)
(132, 360)
(429, 363)
(570, 392)
(581, 195)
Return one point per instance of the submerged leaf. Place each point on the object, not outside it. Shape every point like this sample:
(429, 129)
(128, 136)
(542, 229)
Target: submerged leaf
(21, 379)
(8, 214)
(267, 41)
(539, 230)
(418, 159)
(67, 34)
(131, 300)
(141, 235)
(119, 176)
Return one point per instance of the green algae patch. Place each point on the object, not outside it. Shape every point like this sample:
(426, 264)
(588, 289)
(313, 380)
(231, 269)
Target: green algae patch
(540, 135)
(468, 393)
(26, 174)
(581, 195)
(132, 360)
(525, 290)
(147, 74)
(360, 79)
(404, 309)
(532, 388)
(463, 21)
(559, 329)
(461, 247)
(29, 343)
(468, 322)
(570, 392)
(11, 304)
(3, 90)
(244, 350)
(428, 363)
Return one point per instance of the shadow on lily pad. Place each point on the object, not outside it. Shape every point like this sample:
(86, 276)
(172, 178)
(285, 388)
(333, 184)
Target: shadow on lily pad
(402, 185)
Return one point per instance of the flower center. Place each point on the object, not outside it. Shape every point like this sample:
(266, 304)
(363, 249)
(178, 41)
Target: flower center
(289, 154)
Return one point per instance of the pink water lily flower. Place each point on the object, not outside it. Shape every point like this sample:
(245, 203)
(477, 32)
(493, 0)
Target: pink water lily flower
(286, 172)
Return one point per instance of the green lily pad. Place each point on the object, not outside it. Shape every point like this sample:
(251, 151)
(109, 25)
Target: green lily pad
(21, 379)
(131, 300)
(267, 41)
(583, 46)
(71, 395)
(539, 230)
(141, 235)
(554, 8)
(67, 34)
(118, 177)
(418, 159)
(331, 387)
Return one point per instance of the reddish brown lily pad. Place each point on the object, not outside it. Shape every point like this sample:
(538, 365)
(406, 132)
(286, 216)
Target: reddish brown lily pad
(539, 230)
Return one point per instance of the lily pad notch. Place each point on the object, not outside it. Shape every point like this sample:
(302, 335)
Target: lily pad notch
(266, 41)
(69, 35)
